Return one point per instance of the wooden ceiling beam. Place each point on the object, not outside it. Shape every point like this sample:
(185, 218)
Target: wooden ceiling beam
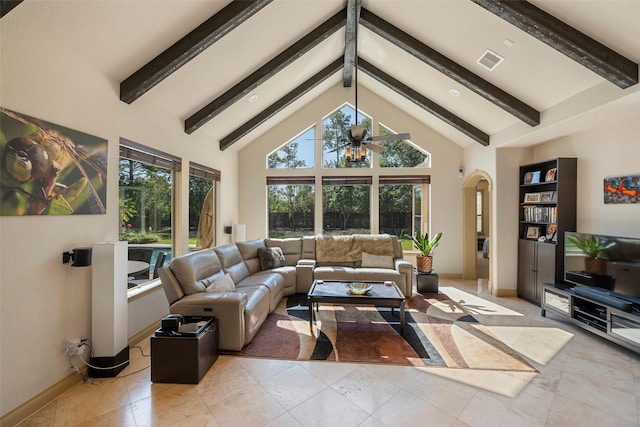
(188, 47)
(286, 57)
(564, 38)
(280, 104)
(449, 68)
(7, 6)
(422, 101)
(350, 40)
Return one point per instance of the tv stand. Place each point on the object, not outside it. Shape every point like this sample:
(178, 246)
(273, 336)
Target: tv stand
(607, 316)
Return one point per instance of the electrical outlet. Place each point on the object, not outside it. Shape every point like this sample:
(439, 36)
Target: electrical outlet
(72, 346)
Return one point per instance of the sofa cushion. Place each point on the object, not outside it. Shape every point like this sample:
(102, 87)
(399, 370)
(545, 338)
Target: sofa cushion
(350, 248)
(249, 253)
(196, 270)
(232, 262)
(271, 258)
(376, 261)
(291, 248)
(223, 284)
(334, 273)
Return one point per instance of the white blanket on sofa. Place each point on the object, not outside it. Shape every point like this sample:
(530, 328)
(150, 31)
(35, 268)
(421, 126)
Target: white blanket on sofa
(350, 248)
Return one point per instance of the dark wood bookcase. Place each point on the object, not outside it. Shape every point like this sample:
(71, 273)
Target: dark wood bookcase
(547, 209)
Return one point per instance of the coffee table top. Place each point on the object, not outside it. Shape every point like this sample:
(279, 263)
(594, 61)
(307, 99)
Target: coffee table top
(332, 289)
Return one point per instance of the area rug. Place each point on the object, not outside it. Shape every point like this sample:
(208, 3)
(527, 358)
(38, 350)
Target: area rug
(438, 332)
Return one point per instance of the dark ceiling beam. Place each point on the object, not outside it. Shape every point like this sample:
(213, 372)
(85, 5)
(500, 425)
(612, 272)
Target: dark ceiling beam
(286, 57)
(351, 41)
(188, 47)
(564, 38)
(280, 104)
(450, 68)
(422, 101)
(7, 6)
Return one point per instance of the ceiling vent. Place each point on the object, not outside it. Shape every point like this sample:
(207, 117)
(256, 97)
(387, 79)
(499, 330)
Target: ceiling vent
(490, 60)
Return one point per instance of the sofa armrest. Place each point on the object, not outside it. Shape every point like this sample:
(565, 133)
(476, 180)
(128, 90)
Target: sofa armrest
(405, 268)
(304, 275)
(228, 307)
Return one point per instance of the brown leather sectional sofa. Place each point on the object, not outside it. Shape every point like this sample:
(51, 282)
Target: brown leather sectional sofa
(258, 291)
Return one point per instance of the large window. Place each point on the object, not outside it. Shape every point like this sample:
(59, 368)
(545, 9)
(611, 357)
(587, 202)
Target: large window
(146, 203)
(335, 138)
(401, 206)
(400, 153)
(291, 202)
(202, 206)
(298, 153)
(346, 205)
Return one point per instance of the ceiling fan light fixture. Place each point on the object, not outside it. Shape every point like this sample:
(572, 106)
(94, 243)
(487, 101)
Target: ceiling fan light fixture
(253, 98)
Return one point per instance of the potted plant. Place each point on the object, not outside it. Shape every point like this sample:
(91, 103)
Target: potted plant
(424, 261)
(592, 247)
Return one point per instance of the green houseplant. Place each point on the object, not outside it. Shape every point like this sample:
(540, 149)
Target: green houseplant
(592, 247)
(424, 261)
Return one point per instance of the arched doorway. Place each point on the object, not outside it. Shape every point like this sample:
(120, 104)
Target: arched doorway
(475, 183)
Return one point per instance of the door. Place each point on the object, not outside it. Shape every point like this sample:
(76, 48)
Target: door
(527, 269)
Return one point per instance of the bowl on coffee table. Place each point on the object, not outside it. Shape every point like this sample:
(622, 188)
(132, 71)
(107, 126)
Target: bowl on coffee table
(358, 288)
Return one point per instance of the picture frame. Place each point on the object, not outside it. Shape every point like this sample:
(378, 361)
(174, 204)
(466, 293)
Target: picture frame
(546, 196)
(552, 230)
(531, 197)
(532, 232)
(532, 177)
(551, 175)
(554, 197)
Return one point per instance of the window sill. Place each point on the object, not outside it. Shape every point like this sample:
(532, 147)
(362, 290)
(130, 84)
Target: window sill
(143, 289)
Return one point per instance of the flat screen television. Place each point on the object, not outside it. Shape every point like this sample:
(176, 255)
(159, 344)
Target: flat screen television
(616, 269)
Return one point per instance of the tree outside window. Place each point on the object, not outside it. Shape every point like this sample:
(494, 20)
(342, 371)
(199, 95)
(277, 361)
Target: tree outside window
(335, 131)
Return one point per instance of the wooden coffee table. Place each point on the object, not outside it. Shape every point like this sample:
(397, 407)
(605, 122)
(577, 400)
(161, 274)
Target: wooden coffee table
(382, 294)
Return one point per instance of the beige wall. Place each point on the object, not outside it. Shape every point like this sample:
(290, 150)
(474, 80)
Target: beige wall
(43, 301)
(446, 198)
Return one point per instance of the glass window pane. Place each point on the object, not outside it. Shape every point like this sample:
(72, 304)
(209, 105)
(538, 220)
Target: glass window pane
(299, 153)
(291, 210)
(335, 136)
(346, 209)
(396, 209)
(479, 211)
(202, 213)
(400, 153)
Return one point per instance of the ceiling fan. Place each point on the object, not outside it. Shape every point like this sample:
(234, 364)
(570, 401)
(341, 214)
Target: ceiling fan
(358, 142)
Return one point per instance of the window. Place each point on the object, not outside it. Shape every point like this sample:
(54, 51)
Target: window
(298, 153)
(346, 205)
(291, 202)
(202, 206)
(479, 212)
(400, 153)
(401, 206)
(146, 200)
(335, 139)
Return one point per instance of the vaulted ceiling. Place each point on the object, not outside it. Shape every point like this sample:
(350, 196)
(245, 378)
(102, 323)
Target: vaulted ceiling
(567, 64)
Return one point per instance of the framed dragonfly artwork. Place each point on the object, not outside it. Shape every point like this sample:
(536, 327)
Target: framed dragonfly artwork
(48, 169)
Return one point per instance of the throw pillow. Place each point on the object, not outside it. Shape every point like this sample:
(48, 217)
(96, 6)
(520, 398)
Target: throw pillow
(376, 261)
(271, 257)
(223, 284)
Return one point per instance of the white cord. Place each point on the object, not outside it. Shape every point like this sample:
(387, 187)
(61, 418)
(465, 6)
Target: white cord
(99, 367)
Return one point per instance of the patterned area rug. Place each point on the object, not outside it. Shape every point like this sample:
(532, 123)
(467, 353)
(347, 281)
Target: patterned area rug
(438, 332)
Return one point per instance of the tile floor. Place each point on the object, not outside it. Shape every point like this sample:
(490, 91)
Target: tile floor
(582, 380)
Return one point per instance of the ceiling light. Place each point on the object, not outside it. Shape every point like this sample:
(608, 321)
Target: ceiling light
(454, 92)
(253, 98)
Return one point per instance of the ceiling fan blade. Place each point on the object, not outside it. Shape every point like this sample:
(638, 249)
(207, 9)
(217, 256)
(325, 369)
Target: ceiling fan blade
(339, 148)
(390, 137)
(374, 147)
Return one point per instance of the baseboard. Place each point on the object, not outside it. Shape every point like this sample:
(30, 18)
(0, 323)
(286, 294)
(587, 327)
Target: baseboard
(41, 400)
(50, 394)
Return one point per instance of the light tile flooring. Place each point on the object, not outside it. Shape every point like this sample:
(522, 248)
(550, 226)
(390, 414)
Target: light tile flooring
(582, 380)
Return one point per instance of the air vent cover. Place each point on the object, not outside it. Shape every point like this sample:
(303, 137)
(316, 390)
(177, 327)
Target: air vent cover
(490, 60)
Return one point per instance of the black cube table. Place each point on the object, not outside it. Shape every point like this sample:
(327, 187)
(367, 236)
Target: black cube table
(185, 356)
(426, 283)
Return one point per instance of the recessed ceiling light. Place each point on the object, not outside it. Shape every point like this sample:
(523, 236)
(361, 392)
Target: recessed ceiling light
(253, 98)
(454, 92)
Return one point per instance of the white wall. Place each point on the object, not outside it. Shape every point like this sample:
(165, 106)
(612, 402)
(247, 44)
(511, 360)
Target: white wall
(446, 198)
(43, 301)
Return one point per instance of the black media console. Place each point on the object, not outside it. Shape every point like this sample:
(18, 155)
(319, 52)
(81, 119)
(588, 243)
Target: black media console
(610, 315)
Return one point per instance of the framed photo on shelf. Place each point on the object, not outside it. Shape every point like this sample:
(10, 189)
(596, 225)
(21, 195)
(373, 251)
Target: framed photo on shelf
(532, 232)
(551, 175)
(546, 196)
(552, 230)
(532, 177)
(554, 197)
(532, 197)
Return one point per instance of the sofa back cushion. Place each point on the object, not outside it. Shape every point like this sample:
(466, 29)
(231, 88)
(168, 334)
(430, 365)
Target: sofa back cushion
(341, 249)
(291, 248)
(309, 247)
(232, 262)
(196, 270)
(249, 253)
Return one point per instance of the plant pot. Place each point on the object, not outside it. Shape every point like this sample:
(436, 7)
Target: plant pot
(597, 266)
(424, 264)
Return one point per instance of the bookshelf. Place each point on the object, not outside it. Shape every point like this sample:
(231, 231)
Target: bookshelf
(547, 209)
